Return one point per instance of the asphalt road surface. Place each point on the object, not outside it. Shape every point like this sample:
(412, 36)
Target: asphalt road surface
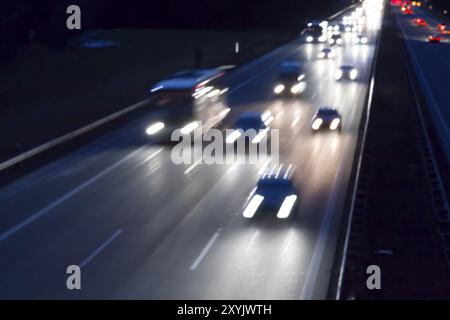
(142, 227)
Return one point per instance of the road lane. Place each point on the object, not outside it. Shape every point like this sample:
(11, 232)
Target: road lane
(268, 260)
(431, 66)
(161, 237)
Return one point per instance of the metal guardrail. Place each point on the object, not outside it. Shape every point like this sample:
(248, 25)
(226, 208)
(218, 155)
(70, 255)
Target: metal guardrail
(72, 135)
(358, 170)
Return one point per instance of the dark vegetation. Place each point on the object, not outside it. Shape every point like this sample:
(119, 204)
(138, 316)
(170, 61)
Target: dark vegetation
(26, 20)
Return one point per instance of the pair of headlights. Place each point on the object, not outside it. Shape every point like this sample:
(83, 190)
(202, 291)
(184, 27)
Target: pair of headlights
(352, 75)
(158, 126)
(295, 89)
(320, 39)
(236, 134)
(317, 124)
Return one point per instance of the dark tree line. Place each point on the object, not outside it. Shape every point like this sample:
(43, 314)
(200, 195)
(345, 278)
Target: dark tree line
(45, 20)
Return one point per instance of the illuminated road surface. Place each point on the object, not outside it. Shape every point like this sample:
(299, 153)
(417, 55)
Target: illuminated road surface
(142, 227)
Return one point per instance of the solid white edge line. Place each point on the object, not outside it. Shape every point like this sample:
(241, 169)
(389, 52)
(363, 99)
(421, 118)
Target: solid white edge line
(347, 234)
(319, 248)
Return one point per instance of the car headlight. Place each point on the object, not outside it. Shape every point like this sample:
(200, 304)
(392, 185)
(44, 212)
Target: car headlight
(356, 40)
(297, 88)
(321, 55)
(252, 206)
(322, 39)
(336, 28)
(286, 207)
(154, 128)
(278, 88)
(339, 41)
(348, 29)
(335, 124)
(331, 41)
(309, 39)
(316, 124)
(338, 74)
(189, 128)
(363, 40)
(260, 136)
(353, 74)
(233, 136)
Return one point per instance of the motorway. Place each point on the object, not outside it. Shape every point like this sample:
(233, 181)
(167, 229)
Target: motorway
(431, 66)
(142, 227)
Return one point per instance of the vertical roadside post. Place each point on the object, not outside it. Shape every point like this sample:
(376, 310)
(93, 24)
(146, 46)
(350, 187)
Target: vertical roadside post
(237, 50)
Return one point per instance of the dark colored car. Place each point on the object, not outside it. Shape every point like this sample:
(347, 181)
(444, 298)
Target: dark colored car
(326, 119)
(335, 39)
(248, 123)
(434, 38)
(275, 195)
(346, 72)
(290, 80)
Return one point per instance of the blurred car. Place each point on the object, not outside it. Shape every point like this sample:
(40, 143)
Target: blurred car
(442, 27)
(360, 39)
(191, 101)
(275, 195)
(326, 53)
(434, 38)
(407, 10)
(290, 79)
(336, 27)
(335, 39)
(346, 72)
(315, 33)
(420, 22)
(248, 123)
(326, 119)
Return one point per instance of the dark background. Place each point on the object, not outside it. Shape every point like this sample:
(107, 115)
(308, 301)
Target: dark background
(45, 20)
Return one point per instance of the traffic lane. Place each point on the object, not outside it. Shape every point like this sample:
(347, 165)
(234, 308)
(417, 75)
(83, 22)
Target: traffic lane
(247, 261)
(60, 219)
(38, 255)
(98, 240)
(61, 176)
(90, 212)
(50, 182)
(433, 62)
(64, 178)
(130, 202)
(252, 70)
(168, 273)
